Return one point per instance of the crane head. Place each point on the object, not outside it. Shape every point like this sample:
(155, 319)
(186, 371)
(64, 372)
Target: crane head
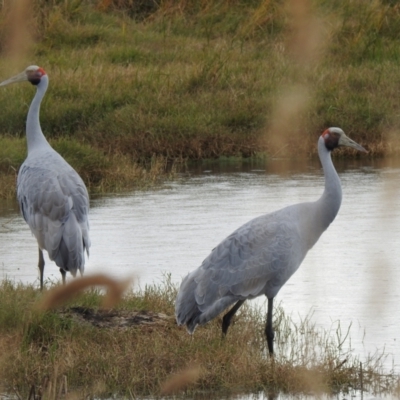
(33, 74)
(335, 137)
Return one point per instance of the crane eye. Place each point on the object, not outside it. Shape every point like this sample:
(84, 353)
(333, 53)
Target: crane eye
(326, 134)
(37, 74)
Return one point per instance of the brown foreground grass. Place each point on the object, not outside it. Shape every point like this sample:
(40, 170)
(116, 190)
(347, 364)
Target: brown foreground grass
(136, 349)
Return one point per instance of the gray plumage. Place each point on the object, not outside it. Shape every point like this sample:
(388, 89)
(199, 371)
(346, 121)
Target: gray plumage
(259, 257)
(52, 196)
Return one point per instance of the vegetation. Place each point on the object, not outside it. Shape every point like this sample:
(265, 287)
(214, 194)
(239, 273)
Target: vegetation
(136, 349)
(134, 81)
(138, 87)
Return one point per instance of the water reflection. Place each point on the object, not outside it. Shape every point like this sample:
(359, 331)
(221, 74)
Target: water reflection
(354, 395)
(351, 275)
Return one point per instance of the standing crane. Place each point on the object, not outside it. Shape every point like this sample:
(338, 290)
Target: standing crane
(259, 257)
(52, 196)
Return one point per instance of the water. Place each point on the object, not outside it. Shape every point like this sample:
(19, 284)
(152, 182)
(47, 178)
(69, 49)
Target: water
(351, 275)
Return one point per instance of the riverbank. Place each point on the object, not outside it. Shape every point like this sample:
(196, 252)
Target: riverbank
(182, 80)
(134, 348)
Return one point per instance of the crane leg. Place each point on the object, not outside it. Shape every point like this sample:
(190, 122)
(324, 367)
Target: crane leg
(269, 331)
(41, 267)
(226, 320)
(63, 274)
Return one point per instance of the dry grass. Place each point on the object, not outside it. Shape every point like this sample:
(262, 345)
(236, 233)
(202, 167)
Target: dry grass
(53, 350)
(130, 81)
(102, 172)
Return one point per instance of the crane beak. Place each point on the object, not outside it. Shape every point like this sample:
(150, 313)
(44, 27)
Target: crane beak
(22, 77)
(346, 141)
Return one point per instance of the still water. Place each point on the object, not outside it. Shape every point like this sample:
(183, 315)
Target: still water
(351, 275)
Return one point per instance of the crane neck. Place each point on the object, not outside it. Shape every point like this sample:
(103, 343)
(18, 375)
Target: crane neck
(331, 198)
(34, 135)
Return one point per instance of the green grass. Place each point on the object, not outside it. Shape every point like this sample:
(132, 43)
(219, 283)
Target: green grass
(190, 80)
(138, 360)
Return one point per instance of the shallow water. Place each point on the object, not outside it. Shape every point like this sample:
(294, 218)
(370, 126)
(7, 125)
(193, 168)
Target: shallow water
(351, 275)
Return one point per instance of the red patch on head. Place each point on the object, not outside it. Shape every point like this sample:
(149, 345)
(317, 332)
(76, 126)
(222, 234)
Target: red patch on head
(41, 71)
(325, 133)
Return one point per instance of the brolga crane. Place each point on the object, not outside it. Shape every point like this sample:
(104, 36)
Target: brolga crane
(52, 196)
(259, 257)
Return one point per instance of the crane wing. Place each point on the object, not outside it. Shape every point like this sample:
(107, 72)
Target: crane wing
(55, 204)
(258, 258)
